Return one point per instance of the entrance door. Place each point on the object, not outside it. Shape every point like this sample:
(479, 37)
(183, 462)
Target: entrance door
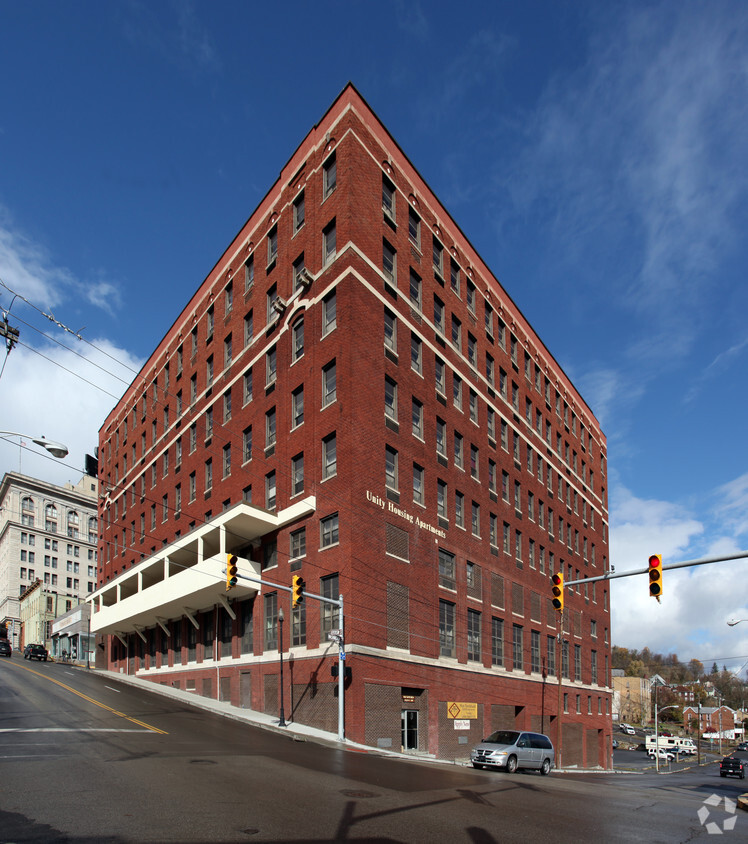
(409, 729)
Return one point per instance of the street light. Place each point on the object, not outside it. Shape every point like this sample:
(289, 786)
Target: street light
(55, 449)
(282, 720)
(736, 621)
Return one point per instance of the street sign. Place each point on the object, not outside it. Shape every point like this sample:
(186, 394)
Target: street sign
(334, 633)
(334, 636)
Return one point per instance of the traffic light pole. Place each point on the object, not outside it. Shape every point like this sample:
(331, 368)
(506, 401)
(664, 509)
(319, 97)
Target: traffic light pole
(704, 561)
(338, 638)
(560, 672)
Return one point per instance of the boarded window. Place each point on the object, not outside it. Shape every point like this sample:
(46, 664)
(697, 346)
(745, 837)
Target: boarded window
(397, 542)
(397, 615)
(497, 590)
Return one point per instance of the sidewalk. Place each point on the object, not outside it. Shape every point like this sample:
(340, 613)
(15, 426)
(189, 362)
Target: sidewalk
(297, 732)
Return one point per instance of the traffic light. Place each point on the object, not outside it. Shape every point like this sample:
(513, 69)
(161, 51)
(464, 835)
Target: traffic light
(558, 592)
(297, 590)
(232, 567)
(655, 576)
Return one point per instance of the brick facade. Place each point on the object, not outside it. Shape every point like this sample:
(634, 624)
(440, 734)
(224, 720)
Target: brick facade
(446, 463)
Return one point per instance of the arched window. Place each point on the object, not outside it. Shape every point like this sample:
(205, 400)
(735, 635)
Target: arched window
(27, 511)
(50, 518)
(93, 529)
(73, 522)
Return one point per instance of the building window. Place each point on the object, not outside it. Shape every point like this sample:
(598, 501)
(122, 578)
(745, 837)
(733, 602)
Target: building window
(270, 491)
(475, 519)
(458, 451)
(329, 313)
(417, 416)
(247, 387)
(248, 328)
(414, 228)
(418, 490)
(297, 474)
(439, 315)
(517, 647)
(454, 277)
(390, 398)
(390, 331)
(416, 360)
(389, 263)
(298, 544)
(297, 340)
(438, 258)
(459, 509)
(193, 486)
(297, 407)
(272, 246)
(391, 468)
(298, 272)
(441, 437)
(446, 629)
(298, 212)
(441, 498)
(247, 444)
(497, 641)
(415, 290)
(388, 198)
(329, 389)
(447, 570)
(208, 474)
(329, 613)
(473, 635)
(440, 377)
(226, 461)
(535, 651)
(329, 531)
(249, 273)
(329, 457)
(227, 406)
(329, 176)
(271, 366)
(329, 243)
(270, 428)
(271, 621)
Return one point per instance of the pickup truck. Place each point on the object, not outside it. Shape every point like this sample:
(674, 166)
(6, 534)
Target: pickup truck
(35, 652)
(732, 766)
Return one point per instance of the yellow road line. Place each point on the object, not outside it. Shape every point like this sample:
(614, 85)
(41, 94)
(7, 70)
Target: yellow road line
(95, 702)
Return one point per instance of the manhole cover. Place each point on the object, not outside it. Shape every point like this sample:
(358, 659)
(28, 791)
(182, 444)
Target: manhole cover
(358, 793)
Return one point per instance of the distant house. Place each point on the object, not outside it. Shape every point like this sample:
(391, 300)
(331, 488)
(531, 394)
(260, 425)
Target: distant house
(710, 719)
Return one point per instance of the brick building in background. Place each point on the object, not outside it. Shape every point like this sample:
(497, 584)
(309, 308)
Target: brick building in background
(350, 395)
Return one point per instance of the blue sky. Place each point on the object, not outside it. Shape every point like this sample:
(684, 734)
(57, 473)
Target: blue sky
(594, 154)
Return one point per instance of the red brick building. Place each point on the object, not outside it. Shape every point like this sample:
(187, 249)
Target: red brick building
(350, 395)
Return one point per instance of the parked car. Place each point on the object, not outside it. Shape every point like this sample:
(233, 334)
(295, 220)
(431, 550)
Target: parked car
(628, 729)
(732, 766)
(615, 744)
(512, 749)
(742, 746)
(5, 648)
(35, 652)
(665, 755)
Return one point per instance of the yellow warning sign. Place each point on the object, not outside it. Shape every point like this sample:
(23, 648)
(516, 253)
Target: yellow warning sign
(462, 710)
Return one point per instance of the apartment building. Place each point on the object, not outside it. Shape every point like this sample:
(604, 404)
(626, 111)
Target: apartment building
(351, 396)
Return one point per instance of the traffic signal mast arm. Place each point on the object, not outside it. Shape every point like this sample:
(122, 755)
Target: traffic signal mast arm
(338, 602)
(704, 561)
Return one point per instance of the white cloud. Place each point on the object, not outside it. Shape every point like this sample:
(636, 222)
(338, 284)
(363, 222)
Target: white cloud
(42, 398)
(60, 391)
(691, 619)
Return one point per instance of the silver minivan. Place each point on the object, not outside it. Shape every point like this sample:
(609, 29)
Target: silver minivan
(513, 749)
